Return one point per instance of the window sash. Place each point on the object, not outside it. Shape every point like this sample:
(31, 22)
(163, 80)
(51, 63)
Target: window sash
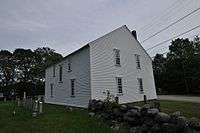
(137, 58)
(51, 90)
(140, 84)
(60, 74)
(69, 67)
(54, 71)
(72, 87)
(117, 57)
(119, 84)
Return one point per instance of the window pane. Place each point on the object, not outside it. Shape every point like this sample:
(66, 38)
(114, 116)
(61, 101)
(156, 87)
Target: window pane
(54, 71)
(72, 87)
(69, 67)
(137, 57)
(140, 83)
(60, 74)
(119, 84)
(117, 56)
(51, 85)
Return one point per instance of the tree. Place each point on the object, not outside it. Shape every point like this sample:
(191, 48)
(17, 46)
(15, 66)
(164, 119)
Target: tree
(6, 68)
(24, 61)
(44, 57)
(181, 70)
(159, 63)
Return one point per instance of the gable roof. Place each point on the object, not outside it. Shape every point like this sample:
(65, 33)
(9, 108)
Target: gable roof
(88, 44)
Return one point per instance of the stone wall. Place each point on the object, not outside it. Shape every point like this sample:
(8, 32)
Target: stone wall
(145, 119)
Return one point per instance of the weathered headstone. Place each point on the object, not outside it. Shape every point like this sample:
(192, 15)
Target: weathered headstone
(40, 107)
(18, 102)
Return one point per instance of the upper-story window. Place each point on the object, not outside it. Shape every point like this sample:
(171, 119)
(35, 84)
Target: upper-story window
(117, 57)
(54, 70)
(137, 59)
(119, 85)
(140, 84)
(60, 73)
(69, 66)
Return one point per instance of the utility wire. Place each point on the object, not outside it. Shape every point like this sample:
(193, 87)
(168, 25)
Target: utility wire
(165, 12)
(168, 51)
(180, 19)
(173, 37)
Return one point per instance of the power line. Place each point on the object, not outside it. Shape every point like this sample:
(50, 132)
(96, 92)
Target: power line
(168, 51)
(173, 37)
(180, 19)
(165, 12)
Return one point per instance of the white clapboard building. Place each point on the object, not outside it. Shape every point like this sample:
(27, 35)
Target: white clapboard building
(114, 63)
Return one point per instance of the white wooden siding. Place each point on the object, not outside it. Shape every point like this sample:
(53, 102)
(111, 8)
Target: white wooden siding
(80, 66)
(103, 69)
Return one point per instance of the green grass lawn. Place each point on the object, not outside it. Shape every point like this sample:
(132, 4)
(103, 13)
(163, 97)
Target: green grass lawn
(57, 120)
(187, 109)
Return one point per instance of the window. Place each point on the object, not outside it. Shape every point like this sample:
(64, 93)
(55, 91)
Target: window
(119, 84)
(60, 74)
(140, 84)
(72, 87)
(137, 58)
(117, 57)
(54, 71)
(51, 85)
(69, 66)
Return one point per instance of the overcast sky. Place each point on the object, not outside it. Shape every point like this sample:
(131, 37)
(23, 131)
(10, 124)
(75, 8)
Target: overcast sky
(66, 25)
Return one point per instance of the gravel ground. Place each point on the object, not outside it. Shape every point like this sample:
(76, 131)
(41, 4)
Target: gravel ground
(195, 99)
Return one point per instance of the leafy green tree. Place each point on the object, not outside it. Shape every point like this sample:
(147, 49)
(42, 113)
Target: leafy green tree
(7, 68)
(44, 57)
(24, 61)
(159, 63)
(181, 70)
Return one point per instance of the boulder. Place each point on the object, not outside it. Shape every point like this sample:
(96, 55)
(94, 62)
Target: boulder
(152, 112)
(194, 123)
(132, 113)
(135, 130)
(138, 108)
(133, 121)
(148, 121)
(162, 117)
(156, 128)
(144, 128)
(182, 124)
(168, 128)
(117, 112)
(176, 114)
(99, 105)
(124, 108)
(144, 109)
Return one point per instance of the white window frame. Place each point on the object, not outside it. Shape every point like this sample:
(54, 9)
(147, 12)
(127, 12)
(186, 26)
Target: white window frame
(72, 82)
(119, 85)
(138, 61)
(140, 85)
(117, 57)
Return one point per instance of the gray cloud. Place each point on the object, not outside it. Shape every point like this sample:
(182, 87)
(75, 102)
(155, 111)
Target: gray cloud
(67, 25)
